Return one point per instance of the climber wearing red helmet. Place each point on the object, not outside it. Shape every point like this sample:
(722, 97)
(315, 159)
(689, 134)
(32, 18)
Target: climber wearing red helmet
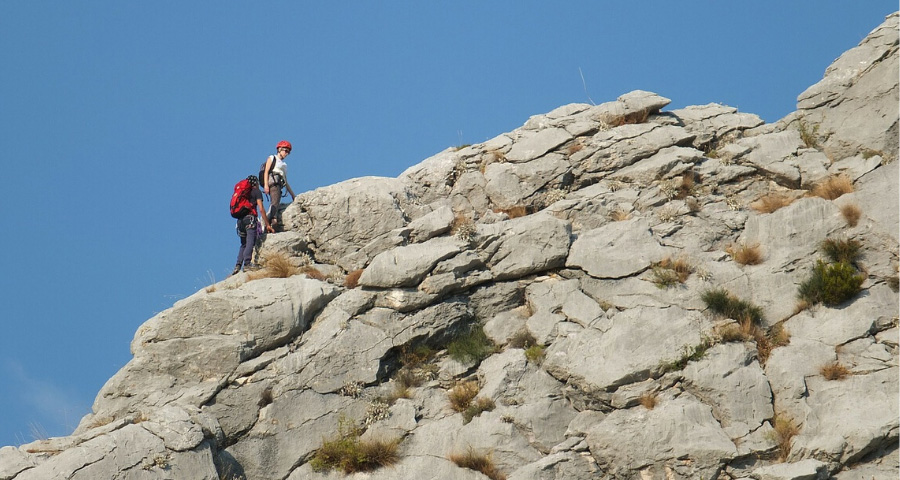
(274, 178)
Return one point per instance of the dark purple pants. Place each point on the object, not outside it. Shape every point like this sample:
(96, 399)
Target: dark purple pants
(246, 229)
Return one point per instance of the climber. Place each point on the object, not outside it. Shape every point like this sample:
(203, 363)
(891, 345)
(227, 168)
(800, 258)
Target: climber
(273, 175)
(247, 221)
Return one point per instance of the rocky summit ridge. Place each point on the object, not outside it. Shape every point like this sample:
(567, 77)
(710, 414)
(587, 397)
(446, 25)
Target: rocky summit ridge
(609, 291)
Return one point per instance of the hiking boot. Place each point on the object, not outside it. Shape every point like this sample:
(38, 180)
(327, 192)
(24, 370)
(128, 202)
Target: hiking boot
(237, 269)
(252, 267)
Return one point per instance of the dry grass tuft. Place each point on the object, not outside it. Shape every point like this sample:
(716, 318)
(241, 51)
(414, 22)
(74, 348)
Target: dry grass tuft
(462, 394)
(514, 211)
(784, 431)
(649, 400)
(313, 273)
(668, 272)
(352, 278)
(851, 213)
(833, 187)
(771, 202)
(275, 265)
(619, 215)
(479, 462)
(834, 371)
(745, 254)
(574, 148)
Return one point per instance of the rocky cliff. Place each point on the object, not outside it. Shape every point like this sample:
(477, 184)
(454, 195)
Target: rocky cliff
(610, 291)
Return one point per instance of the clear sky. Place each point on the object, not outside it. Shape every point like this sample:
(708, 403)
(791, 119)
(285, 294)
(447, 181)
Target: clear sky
(124, 126)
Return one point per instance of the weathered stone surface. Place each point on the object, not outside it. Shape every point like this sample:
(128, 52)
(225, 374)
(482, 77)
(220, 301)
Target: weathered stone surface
(679, 434)
(633, 347)
(665, 163)
(855, 106)
(730, 380)
(526, 245)
(534, 145)
(247, 378)
(346, 216)
(616, 250)
(809, 469)
(407, 266)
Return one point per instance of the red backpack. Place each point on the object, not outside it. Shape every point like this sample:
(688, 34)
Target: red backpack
(241, 206)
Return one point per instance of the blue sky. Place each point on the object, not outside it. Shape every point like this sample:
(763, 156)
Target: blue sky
(126, 124)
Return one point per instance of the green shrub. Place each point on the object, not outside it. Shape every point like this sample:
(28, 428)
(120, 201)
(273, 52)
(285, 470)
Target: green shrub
(847, 251)
(721, 302)
(535, 354)
(473, 346)
(831, 284)
(688, 354)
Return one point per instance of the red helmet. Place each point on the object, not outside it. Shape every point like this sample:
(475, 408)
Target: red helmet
(283, 144)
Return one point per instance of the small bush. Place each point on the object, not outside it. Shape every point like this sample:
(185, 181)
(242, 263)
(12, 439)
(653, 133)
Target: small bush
(416, 357)
(462, 394)
(471, 346)
(349, 454)
(894, 283)
(535, 354)
(833, 187)
(265, 397)
(475, 409)
(522, 339)
(463, 228)
(745, 254)
(771, 202)
(689, 354)
(834, 371)
(479, 462)
(721, 302)
(808, 134)
(668, 272)
(851, 214)
(649, 400)
(831, 284)
(847, 251)
(352, 278)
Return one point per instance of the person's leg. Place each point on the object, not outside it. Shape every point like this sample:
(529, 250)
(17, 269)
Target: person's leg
(275, 205)
(242, 232)
(250, 240)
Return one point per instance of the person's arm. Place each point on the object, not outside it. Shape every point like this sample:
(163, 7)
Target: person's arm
(262, 211)
(265, 182)
(289, 189)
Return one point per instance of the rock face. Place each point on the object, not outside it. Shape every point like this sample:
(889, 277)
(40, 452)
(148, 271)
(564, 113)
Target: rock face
(584, 245)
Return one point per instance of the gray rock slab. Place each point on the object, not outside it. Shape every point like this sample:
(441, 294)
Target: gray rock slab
(341, 218)
(407, 266)
(557, 466)
(809, 469)
(729, 379)
(678, 429)
(849, 418)
(638, 342)
(532, 145)
(659, 165)
(527, 245)
(509, 185)
(616, 250)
